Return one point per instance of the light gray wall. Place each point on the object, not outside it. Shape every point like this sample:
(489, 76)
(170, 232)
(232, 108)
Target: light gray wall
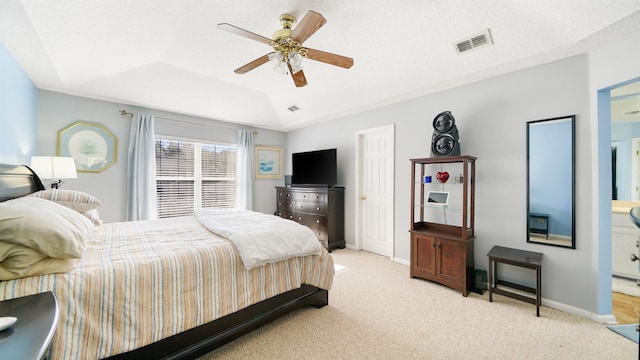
(56, 110)
(491, 116)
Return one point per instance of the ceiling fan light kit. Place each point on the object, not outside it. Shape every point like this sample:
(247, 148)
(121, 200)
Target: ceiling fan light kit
(287, 43)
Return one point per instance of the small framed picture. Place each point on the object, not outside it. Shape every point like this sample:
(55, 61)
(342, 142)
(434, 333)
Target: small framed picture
(268, 160)
(92, 146)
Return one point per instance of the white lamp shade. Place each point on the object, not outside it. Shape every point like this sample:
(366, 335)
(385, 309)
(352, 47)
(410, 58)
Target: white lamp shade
(54, 167)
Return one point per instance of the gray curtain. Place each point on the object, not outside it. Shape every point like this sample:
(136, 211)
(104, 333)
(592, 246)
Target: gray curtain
(244, 170)
(141, 170)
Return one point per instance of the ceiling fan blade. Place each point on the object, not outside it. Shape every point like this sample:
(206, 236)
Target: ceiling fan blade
(242, 32)
(310, 23)
(298, 78)
(329, 58)
(252, 65)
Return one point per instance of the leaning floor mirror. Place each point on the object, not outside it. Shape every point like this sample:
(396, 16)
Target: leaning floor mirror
(551, 181)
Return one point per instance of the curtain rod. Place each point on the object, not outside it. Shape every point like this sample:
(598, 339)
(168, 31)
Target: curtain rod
(126, 113)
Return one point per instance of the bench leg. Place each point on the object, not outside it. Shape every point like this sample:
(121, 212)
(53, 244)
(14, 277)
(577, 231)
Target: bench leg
(490, 282)
(538, 290)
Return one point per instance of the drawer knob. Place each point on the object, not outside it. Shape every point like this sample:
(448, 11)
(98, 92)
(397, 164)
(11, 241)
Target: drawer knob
(318, 208)
(317, 221)
(299, 217)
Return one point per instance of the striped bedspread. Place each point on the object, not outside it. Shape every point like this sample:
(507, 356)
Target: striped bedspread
(140, 282)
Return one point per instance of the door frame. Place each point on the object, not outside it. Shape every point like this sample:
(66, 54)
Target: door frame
(358, 190)
(635, 170)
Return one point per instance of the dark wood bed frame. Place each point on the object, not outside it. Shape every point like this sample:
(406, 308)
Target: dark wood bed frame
(17, 181)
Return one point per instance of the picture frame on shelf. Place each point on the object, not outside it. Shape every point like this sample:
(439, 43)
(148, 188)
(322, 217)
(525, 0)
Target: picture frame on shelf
(92, 146)
(268, 162)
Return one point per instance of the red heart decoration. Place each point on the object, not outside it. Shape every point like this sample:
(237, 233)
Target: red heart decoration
(442, 176)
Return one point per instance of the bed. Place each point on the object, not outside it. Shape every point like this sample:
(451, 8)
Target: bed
(167, 288)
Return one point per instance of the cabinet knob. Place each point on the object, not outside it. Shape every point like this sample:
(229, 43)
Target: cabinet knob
(300, 218)
(317, 221)
(433, 245)
(318, 208)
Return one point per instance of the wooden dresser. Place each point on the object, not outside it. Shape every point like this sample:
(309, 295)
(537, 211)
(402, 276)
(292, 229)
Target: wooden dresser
(321, 209)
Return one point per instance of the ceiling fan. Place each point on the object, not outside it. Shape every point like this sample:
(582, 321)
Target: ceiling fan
(287, 45)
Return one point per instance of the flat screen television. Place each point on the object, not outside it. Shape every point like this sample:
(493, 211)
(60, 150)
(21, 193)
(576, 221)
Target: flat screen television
(315, 168)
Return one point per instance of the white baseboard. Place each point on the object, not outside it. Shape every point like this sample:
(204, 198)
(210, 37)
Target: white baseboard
(605, 319)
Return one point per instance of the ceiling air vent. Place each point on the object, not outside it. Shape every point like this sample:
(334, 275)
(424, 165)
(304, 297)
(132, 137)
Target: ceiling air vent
(476, 41)
(293, 108)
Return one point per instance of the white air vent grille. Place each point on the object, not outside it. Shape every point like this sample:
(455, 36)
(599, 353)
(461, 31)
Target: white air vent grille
(479, 40)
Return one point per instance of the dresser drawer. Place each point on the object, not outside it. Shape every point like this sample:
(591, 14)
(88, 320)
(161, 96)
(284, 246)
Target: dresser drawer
(314, 197)
(286, 205)
(301, 196)
(286, 215)
(310, 220)
(310, 207)
(286, 195)
(321, 233)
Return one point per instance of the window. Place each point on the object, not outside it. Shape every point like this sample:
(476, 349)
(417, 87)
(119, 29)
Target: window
(193, 175)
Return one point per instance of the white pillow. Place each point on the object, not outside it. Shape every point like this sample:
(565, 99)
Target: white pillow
(94, 216)
(49, 228)
(76, 200)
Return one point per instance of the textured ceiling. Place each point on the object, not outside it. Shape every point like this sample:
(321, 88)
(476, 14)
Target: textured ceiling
(169, 55)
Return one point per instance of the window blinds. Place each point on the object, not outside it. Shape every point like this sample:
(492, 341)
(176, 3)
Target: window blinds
(193, 175)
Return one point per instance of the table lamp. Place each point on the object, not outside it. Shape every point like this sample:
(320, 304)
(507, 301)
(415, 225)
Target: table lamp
(55, 168)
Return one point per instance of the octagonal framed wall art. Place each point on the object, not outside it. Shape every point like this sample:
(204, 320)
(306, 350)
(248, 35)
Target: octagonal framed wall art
(92, 146)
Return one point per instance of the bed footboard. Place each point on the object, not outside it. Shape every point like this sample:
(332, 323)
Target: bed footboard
(202, 339)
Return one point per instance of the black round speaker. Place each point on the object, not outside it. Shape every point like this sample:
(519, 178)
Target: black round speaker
(444, 122)
(444, 141)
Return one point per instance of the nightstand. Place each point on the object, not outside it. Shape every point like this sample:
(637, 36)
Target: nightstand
(30, 337)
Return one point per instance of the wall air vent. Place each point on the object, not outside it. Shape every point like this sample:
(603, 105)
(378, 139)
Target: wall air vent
(476, 41)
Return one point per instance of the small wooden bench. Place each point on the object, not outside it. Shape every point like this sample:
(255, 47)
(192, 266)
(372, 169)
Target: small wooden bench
(515, 257)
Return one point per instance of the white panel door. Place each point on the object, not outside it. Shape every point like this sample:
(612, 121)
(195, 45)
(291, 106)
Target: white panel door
(377, 156)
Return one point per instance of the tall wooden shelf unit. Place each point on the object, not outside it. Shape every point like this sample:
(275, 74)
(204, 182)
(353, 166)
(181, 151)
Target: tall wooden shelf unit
(442, 236)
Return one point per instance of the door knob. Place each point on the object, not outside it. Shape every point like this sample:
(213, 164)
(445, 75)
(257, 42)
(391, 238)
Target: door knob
(363, 197)
(634, 257)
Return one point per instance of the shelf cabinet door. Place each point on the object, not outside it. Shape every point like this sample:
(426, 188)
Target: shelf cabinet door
(451, 261)
(424, 256)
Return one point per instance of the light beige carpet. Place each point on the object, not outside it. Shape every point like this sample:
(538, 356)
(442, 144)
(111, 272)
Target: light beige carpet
(376, 311)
